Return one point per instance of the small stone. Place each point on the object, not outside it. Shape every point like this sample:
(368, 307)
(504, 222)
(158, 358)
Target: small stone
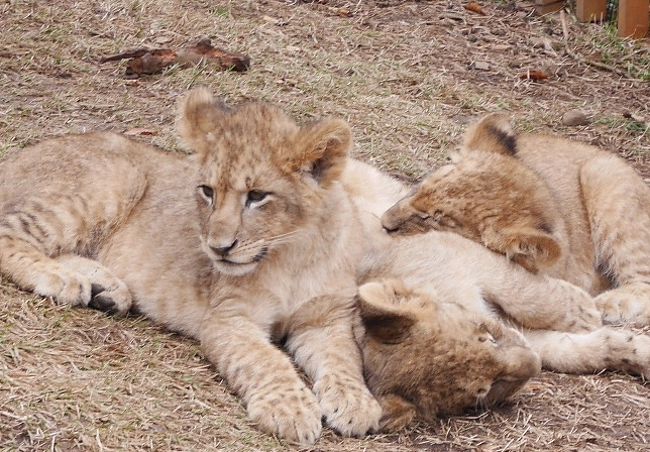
(481, 66)
(575, 118)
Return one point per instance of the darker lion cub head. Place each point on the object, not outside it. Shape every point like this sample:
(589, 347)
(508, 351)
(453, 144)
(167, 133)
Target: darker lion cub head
(424, 357)
(263, 178)
(486, 195)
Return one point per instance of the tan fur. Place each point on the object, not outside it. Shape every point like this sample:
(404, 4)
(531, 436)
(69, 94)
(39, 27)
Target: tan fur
(421, 335)
(463, 360)
(560, 207)
(427, 355)
(103, 221)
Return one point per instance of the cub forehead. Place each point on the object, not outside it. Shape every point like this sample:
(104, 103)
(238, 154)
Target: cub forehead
(251, 132)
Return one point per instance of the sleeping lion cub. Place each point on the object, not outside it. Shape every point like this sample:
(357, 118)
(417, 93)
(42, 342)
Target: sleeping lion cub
(551, 205)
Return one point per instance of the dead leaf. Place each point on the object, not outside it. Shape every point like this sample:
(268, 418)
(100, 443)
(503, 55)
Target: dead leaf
(152, 61)
(534, 75)
(140, 131)
(633, 117)
(202, 50)
(475, 8)
(344, 12)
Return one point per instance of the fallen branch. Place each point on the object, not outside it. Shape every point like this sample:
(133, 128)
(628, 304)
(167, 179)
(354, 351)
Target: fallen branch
(152, 61)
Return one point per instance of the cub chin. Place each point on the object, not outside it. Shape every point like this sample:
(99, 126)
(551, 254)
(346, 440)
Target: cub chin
(426, 358)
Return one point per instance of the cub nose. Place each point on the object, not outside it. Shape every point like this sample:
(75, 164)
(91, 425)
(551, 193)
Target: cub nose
(223, 250)
(389, 227)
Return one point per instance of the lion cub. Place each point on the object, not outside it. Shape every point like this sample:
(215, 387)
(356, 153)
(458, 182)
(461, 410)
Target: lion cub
(462, 360)
(551, 205)
(427, 355)
(223, 246)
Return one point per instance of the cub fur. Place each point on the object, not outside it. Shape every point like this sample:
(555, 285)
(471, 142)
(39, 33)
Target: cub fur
(467, 358)
(255, 238)
(445, 325)
(563, 208)
(223, 246)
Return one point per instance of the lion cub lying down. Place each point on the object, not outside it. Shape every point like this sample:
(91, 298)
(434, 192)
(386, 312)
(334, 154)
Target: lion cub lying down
(551, 205)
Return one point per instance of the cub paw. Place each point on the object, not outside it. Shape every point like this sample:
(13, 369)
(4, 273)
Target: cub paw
(112, 300)
(625, 306)
(638, 361)
(293, 416)
(348, 406)
(397, 413)
(65, 288)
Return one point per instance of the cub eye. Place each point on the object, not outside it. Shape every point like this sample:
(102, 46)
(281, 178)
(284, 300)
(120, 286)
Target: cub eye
(424, 215)
(487, 338)
(206, 191)
(256, 196)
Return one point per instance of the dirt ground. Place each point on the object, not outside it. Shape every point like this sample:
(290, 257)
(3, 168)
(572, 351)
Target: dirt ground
(408, 76)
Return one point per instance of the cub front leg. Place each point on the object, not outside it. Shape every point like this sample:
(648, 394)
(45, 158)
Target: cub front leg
(30, 269)
(604, 348)
(542, 302)
(322, 343)
(536, 302)
(617, 201)
(276, 398)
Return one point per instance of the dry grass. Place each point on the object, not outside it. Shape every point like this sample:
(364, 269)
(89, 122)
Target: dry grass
(400, 72)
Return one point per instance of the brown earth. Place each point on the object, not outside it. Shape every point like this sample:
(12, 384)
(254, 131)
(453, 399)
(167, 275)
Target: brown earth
(408, 76)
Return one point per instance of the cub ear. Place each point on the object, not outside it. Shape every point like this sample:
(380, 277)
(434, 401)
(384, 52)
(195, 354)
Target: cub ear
(382, 319)
(200, 118)
(322, 149)
(492, 133)
(531, 248)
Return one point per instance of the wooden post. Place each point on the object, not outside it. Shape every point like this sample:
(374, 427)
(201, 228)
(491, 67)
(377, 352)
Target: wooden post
(633, 18)
(591, 10)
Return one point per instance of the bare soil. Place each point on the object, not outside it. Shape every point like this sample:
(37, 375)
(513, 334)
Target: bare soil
(408, 76)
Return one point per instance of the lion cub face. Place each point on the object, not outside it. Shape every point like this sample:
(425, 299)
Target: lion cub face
(425, 357)
(486, 195)
(262, 178)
